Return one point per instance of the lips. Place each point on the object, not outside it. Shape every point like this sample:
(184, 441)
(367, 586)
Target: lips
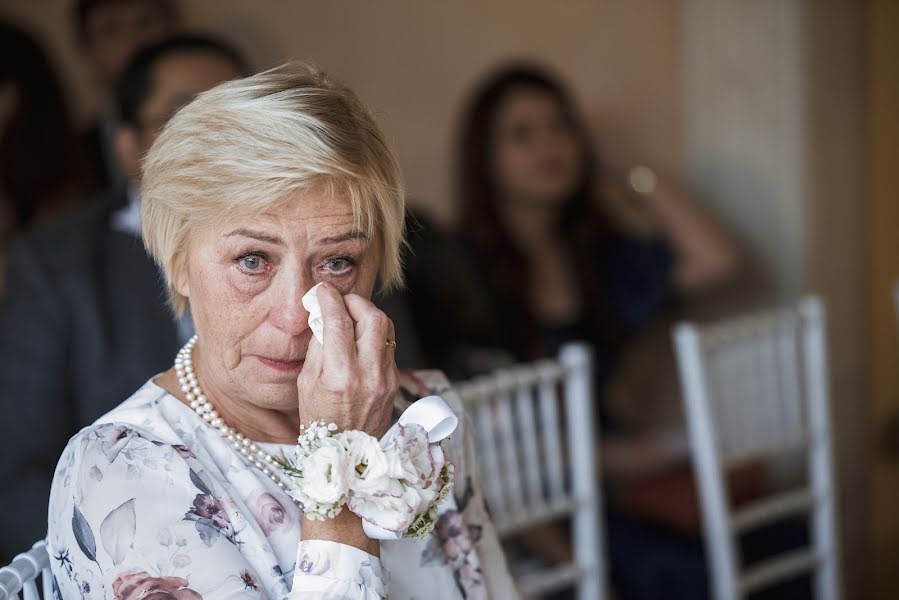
(282, 365)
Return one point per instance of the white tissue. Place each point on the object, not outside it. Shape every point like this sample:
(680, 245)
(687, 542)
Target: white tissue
(310, 303)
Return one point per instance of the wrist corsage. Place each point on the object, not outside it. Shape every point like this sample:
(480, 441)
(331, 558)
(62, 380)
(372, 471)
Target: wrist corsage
(394, 485)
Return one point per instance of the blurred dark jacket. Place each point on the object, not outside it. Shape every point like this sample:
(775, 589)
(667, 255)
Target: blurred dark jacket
(468, 325)
(101, 169)
(84, 323)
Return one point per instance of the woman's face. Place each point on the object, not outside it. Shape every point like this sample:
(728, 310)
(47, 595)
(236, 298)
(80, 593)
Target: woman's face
(246, 279)
(536, 153)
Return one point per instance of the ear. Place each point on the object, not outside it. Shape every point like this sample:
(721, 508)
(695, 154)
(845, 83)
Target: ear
(128, 151)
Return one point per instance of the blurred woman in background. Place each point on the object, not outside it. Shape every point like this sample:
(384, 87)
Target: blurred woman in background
(556, 245)
(568, 246)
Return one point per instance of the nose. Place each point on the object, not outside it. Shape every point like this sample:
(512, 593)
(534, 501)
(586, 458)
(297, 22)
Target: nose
(286, 311)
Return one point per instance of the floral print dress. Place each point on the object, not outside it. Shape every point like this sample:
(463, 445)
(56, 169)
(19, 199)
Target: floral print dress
(150, 502)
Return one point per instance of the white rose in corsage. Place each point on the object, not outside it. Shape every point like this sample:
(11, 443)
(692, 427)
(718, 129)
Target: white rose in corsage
(322, 471)
(327, 473)
(370, 463)
(417, 479)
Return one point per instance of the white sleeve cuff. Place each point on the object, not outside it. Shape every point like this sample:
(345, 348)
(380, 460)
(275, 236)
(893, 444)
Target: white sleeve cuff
(338, 569)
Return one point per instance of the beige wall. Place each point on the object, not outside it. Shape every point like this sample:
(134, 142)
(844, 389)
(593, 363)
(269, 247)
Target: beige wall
(414, 61)
(835, 244)
(743, 132)
(882, 53)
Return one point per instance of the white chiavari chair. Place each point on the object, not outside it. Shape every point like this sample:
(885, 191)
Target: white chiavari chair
(533, 430)
(21, 575)
(757, 387)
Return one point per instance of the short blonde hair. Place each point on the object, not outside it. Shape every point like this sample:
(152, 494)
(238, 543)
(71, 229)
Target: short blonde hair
(245, 145)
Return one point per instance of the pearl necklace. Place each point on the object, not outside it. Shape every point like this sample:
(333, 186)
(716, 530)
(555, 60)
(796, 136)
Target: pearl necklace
(252, 453)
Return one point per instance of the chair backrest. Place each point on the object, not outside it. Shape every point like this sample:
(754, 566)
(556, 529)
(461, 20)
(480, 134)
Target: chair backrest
(22, 573)
(755, 387)
(533, 429)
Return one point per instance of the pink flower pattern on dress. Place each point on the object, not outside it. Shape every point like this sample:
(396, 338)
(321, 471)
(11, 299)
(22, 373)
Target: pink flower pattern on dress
(141, 585)
(269, 513)
(210, 519)
(457, 541)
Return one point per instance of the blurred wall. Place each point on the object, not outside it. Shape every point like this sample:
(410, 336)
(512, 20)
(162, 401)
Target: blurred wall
(835, 244)
(415, 61)
(743, 131)
(883, 219)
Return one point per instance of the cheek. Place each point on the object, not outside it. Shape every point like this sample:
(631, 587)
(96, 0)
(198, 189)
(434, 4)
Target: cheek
(223, 309)
(364, 282)
(514, 164)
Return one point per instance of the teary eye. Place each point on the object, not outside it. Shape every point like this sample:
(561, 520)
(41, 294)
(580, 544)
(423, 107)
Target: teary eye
(339, 265)
(251, 263)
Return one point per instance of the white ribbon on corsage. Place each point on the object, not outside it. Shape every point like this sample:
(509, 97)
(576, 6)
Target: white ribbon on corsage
(431, 412)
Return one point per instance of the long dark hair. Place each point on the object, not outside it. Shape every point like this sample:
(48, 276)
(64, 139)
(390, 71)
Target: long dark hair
(36, 144)
(581, 226)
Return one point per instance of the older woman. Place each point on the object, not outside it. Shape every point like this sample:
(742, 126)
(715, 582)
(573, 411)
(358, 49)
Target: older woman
(254, 193)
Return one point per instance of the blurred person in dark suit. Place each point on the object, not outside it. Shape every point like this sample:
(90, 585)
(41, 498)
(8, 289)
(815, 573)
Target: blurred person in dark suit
(81, 290)
(38, 163)
(556, 246)
(108, 33)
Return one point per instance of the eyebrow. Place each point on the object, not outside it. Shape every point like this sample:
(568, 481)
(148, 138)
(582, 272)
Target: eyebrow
(350, 235)
(264, 237)
(256, 235)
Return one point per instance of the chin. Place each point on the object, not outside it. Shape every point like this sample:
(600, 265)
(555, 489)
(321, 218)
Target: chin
(279, 396)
